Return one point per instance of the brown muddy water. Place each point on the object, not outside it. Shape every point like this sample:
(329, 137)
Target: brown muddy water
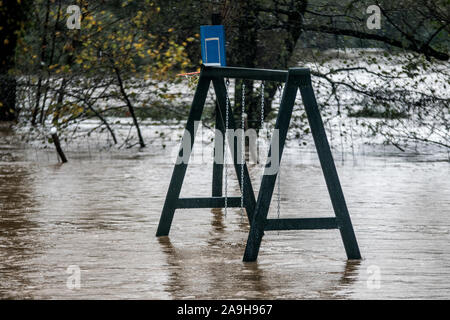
(99, 213)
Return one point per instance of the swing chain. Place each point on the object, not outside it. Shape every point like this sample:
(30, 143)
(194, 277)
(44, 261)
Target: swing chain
(280, 89)
(242, 147)
(225, 144)
(260, 135)
(262, 105)
(279, 193)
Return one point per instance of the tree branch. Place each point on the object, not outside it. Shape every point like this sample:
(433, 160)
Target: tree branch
(423, 49)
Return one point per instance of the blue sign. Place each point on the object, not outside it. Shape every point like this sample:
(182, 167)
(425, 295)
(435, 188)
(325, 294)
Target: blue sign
(213, 45)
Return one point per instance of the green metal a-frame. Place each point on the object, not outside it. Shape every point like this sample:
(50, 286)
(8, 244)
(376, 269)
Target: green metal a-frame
(257, 210)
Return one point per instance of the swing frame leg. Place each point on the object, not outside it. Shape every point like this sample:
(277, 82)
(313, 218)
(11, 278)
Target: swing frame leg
(301, 78)
(179, 171)
(173, 200)
(344, 222)
(268, 180)
(219, 148)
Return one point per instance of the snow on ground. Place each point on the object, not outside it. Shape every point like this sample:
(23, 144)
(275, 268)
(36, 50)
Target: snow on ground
(371, 70)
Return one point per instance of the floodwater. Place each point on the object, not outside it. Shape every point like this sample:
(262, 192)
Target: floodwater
(99, 213)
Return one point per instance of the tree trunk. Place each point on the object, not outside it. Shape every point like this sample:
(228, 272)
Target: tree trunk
(42, 58)
(8, 98)
(244, 45)
(12, 17)
(245, 48)
(130, 107)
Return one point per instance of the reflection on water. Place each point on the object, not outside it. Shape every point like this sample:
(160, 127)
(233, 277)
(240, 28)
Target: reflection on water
(100, 213)
(18, 244)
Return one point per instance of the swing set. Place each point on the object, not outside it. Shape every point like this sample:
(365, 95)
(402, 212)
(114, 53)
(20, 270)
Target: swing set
(257, 208)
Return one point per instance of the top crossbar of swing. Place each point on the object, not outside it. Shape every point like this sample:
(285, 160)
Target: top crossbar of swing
(216, 72)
